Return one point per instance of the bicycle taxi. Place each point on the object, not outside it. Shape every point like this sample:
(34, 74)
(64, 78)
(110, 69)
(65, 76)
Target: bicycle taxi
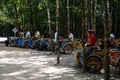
(95, 59)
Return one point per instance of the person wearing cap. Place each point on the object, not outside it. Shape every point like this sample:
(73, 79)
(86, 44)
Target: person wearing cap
(111, 42)
(91, 42)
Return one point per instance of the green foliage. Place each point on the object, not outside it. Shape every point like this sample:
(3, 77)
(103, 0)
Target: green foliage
(32, 14)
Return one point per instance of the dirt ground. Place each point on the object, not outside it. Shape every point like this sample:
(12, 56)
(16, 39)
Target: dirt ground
(27, 64)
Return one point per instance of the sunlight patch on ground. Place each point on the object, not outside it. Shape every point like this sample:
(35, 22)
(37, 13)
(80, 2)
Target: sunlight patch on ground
(1, 66)
(39, 63)
(33, 65)
(35, 60)
(53, 72)
(54, 77)
(4, 53)
(15, 73)
(57, 70)
(20, 78)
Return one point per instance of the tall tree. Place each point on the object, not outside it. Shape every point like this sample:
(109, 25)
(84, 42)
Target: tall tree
(32, 13)
(36, 13)
(57, 29)
(68, 15)
(48, 14)
(106, 35)
(88, 18)
(83, 33)
(94, 15)
(109, 5)
(73, 17)
(16, 14)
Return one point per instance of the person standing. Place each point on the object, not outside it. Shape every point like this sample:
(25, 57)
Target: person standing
(55, 37)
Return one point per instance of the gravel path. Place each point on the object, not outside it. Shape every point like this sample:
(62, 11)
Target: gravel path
(27, 64)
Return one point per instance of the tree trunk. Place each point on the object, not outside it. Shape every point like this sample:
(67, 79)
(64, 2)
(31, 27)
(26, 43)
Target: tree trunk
(94, 15)
(68, 15)
(89, 14)
(57, 29)
(21, 6)
(106, 35)
(48, 14)
(16, 15)
(109, 16)
(31, 21)
(73, 18)
(36, 15)
(24, 7)
(115, 4)
(83, 33)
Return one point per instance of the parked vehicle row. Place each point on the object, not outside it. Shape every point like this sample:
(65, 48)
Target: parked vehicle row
(41, 44)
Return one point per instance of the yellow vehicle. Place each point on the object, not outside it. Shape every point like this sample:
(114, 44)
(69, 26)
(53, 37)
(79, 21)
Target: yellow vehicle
(95, 60)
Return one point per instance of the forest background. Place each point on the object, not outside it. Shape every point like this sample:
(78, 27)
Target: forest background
(41, 15)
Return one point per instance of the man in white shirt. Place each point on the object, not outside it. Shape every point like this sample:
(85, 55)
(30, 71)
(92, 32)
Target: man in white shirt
(55, 37)
(70, 36)
(28, 35)
(21, 34)
(112, 36)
